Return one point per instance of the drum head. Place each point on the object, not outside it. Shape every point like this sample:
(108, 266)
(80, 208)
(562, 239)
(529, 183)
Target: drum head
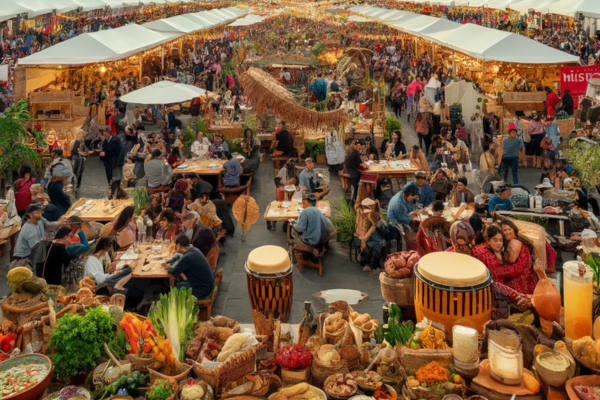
(452, 269)
(268, 260)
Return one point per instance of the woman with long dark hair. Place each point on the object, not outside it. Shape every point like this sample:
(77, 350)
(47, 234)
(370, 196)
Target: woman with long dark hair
(125, 228)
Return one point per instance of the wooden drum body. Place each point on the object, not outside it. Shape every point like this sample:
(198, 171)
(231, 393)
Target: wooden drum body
(270, 283)
(452, 288)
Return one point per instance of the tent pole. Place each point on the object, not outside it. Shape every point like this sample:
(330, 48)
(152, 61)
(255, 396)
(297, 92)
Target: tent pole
(453, 64)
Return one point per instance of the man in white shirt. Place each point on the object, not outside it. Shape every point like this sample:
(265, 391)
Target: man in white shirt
(200, 146)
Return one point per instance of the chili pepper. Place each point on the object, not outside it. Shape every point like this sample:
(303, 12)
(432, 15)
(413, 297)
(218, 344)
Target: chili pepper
(132, 334)
(147, 347)
(7, 342)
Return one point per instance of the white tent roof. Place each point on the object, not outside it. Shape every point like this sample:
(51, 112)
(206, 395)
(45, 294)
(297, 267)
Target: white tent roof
(491, 44)
(38, 7)
(537, 5)
(102, 46)
(194, 22)
(570, 8)
(358, 18)
(89, 5)
(165, 92)
(248, 20)
(500, 4)
(471, 3)
(477, 41)
(11, 8)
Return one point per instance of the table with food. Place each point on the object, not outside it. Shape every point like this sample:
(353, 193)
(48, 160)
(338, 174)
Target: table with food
(208, 166)
(98, 210)
(286, 210)
(391, 167)
(147, 260)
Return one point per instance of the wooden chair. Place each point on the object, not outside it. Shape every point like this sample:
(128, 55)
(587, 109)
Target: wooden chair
(205, 306)
(303, 253)
(230, 195)
(213, 254)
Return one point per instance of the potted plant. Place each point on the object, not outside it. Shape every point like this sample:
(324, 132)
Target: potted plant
(78, 342)
(315, 149)
(392, 124)
(344, 219)
(140, 199)
(17, 145)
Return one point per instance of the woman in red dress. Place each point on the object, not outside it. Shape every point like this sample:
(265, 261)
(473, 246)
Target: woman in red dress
(510, 264)
(23, 189)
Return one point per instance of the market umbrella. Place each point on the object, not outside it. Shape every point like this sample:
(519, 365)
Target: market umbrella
(165, 92)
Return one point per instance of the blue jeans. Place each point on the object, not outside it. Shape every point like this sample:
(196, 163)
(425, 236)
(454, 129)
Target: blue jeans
(513, 163)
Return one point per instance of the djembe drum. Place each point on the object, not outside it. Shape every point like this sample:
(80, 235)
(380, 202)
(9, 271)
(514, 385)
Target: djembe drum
(270, 285)
(453, 288)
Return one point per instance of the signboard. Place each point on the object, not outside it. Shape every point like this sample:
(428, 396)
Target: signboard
(576, 79)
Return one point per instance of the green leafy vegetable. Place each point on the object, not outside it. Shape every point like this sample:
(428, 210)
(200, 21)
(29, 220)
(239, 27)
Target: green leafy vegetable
(78, 341)
(173, 316)
(118, 344)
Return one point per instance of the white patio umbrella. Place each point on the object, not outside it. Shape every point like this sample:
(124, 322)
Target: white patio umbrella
(165, 92)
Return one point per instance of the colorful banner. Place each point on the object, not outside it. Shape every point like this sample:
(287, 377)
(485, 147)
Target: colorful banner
(576, 79)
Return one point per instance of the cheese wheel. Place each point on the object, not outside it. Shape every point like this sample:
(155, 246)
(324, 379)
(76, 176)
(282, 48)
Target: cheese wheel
(452, 269)
(269, 260)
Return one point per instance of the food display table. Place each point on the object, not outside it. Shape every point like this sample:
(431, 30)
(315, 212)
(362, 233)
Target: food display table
(98, 210)
(145, 263)
(286, 210)
(531, 213)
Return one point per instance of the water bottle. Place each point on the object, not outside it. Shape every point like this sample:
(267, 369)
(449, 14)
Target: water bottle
(141, 232)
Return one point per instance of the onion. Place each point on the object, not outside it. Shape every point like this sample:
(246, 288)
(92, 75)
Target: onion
(388, 355)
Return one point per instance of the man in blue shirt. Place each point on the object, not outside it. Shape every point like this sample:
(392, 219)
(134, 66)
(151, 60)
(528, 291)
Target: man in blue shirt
(510, 155)
(425, 192)
(401, 211)
(319, 88)
(311, 224)
(308, 181)
(501, 202)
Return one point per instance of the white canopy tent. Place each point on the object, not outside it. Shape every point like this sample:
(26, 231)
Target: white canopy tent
(358, 18)
(102, 46)
(471, 3)
(11, 9)
(88, 5)
(477, 41)
(571, 8)
(185, 24)
(537, 5)
(248, 20)
(500, 4)
(165, 92)
(38, 7)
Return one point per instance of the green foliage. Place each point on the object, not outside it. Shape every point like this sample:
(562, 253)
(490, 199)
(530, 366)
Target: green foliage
(318, 49)
(314, 148)
(251, 122)
(191, 132)
(235, 145)
(118, 344)
(344, 219)
(585, 159)
(140, 199)
(228, 69)
(16, 144)
(78, 341)
(392, 124)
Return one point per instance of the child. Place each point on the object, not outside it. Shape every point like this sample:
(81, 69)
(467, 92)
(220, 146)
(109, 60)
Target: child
(128, 175)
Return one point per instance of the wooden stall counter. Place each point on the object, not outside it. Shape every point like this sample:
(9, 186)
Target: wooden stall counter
(286, 210)
(98, 210)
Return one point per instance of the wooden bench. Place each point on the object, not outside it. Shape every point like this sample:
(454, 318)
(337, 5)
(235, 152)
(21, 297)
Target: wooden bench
(205, 306)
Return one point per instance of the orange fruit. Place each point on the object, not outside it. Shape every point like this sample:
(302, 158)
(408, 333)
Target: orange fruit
(582, 327)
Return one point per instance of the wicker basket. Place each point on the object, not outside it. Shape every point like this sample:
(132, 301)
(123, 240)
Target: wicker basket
(12, 312)
(290, 378)
(320, 372)
(397, 291)
(183, 370)
(353, 363)
(273, 381)
(233, 369)
(140, 363)
(331, 338)
(415, 359)
(174, 386)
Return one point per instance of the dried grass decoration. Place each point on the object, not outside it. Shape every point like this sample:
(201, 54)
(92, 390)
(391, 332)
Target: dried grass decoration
(267, 93)
(246, 212)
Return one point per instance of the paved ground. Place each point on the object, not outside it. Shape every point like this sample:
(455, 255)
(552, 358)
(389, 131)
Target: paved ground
(233, 299)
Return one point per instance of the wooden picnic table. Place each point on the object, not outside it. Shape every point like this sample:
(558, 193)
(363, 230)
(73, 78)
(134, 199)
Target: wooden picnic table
(97, 210)
(149, 265)
(275, 212)
(205, 167)
(399, 168)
